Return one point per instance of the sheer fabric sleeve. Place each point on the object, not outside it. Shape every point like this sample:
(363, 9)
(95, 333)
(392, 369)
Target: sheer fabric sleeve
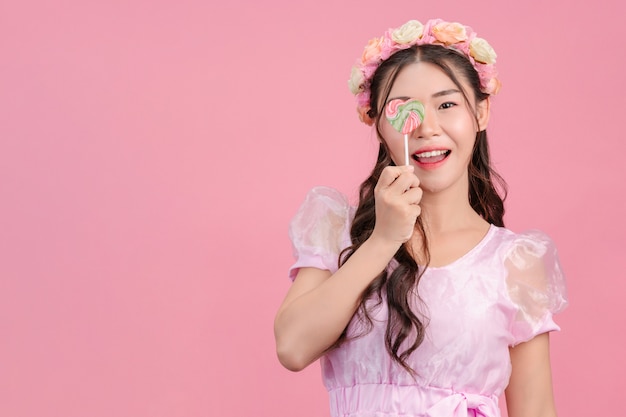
(535, 285)
(320, 230)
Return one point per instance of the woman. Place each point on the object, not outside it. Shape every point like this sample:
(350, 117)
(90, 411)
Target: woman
(419, 301)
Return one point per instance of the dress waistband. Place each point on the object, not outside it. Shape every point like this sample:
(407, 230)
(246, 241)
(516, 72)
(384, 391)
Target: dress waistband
(386, 400)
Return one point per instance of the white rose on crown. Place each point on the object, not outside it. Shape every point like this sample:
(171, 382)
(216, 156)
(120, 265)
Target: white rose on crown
(481, 51)
(408, 32)
(355, 83)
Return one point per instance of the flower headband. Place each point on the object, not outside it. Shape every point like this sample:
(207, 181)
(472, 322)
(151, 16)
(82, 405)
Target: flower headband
(435, 32)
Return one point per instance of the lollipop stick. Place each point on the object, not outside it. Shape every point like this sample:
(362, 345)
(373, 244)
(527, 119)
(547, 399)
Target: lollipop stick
(406, 149)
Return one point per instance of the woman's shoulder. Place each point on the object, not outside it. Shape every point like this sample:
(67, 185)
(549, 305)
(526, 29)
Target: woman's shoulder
(323, 200)
(532, 241)
(521, 254)
(535, 282)
(528, 245)
(322, 208)
(320, 229)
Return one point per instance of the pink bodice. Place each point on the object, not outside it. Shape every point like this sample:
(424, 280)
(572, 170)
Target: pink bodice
(501, 293)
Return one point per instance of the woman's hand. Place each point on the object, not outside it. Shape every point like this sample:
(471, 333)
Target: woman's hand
(397, 196)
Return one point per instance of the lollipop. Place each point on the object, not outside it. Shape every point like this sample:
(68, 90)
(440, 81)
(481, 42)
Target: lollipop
(405, 116)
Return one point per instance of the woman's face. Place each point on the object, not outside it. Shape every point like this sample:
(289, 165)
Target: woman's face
(441, 147)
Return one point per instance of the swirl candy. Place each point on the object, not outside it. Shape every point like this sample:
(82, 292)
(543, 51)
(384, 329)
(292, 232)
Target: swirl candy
(405, 116)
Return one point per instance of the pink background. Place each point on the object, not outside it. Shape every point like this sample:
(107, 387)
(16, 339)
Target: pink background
(152, 154)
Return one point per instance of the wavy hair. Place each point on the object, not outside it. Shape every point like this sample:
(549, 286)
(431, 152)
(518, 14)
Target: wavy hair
(487, 191)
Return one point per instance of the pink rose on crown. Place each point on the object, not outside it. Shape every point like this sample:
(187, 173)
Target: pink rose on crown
(493, 86)
(371, 54)
(485, 72)
(427, 37)
(388, 47)
(363, 98)
(464, 46)
(369, 70)
(449, 33)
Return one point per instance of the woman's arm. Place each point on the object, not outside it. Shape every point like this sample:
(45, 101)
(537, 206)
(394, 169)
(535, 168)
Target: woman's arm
(319, 306)
(529, 393)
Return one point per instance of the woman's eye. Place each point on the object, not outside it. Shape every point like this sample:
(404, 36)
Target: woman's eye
(447, 105)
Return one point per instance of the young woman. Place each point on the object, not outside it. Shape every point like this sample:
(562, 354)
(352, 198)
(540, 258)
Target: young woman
(418, 301)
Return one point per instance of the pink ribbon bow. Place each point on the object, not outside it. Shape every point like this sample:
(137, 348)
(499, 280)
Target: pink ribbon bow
(464, 405)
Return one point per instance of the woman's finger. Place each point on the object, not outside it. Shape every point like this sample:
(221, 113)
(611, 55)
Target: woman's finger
(404, 182)
(390, 174)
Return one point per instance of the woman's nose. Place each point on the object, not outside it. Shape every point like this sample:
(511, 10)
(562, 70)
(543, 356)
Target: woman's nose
(429, 126)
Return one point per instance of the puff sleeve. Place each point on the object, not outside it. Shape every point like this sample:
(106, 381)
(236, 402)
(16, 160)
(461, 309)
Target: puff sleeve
(535, 285)
(320, 230)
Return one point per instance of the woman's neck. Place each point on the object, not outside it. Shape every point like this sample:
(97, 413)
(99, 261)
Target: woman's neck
(452, 228)
(448, 210)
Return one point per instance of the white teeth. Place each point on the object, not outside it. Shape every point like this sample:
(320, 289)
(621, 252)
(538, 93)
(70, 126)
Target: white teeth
(430, 154)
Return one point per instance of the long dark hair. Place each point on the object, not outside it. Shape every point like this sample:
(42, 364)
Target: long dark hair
(405, 330)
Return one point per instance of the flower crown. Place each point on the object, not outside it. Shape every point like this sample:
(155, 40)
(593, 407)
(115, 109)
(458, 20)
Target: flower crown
(435, 32)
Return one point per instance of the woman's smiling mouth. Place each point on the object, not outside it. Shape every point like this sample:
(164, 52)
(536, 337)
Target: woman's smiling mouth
(431, 156)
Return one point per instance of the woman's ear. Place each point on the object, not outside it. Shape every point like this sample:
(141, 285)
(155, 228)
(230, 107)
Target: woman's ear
(482, 113)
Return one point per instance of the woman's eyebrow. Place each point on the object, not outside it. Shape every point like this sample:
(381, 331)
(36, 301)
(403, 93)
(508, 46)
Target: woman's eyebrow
(446, 92)
(396, 98)
(437, 94)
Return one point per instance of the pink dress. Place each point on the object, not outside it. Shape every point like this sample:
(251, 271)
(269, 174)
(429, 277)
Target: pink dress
(501, 293)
